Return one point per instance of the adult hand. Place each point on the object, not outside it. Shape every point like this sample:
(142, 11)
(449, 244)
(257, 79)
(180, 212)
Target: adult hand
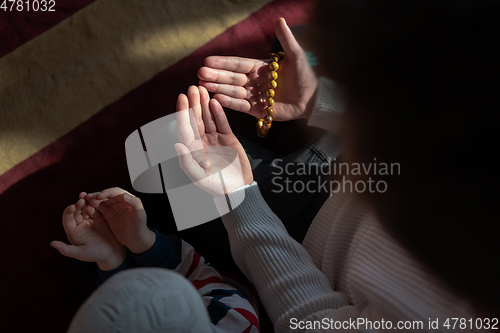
(241, 83)
(209, 152)
(125, 216)
(90, 236)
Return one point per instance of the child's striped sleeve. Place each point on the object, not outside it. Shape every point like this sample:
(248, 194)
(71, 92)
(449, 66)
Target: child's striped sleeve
(228, 309)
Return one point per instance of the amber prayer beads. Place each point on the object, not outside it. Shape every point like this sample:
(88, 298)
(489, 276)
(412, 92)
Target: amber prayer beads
(263, 125)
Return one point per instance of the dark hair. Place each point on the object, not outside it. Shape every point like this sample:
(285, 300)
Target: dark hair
(422, 80)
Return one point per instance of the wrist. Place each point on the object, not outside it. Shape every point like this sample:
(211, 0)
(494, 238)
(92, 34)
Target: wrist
(145, 243)
(311, 102)
(114, 260)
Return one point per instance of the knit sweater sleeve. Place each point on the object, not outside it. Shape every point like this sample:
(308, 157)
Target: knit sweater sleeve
(291, 287)
(329, 106)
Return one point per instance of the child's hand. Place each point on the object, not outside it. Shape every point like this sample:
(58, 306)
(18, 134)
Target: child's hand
(125, 216)
(90, 236)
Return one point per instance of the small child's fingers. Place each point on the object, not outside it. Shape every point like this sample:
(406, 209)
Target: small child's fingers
(102, 208)
(93, 201)
(93, 212)
(69, 210)
(78, 217)
(87, 197)
(121, 198)
(110, 192)
(112, 201)
(125, 198)
(91, 195)
(78, 211)
(80, 204)
(68, 218)
(88, 211)
(68, 250)
(95, 217)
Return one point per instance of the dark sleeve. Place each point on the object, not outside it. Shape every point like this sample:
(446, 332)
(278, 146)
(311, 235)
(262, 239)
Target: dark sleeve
(104, 275)
(165, 253)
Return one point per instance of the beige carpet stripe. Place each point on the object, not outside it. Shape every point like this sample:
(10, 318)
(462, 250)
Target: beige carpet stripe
(60, 79)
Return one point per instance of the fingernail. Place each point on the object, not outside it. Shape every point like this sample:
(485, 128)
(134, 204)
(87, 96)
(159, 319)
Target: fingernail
(126, 196)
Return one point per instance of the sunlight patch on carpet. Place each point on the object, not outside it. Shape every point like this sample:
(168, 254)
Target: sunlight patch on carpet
(60, 79)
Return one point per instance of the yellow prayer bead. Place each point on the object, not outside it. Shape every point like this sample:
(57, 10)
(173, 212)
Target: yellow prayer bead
(273, 75)
(263, 125)
(261, 133)
(268, 119)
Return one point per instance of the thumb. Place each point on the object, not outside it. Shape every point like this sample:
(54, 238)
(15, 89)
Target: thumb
(136, 204)
(188, 164)
(286, 38)
(68, 250)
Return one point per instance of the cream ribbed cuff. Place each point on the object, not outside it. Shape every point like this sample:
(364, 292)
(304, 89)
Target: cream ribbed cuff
(329, 106)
